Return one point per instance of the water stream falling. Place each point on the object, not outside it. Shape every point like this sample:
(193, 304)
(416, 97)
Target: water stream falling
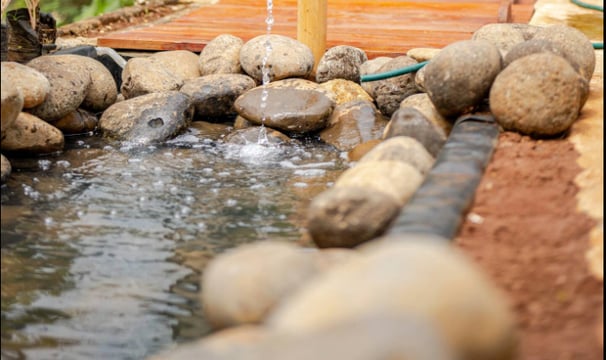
(269, 21)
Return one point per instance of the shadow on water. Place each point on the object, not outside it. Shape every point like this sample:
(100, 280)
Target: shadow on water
(103, 244)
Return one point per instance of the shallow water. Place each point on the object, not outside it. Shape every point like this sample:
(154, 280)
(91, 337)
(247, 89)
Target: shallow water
(103, 244)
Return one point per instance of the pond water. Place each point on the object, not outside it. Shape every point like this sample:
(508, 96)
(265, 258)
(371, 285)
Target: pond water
(103, 244)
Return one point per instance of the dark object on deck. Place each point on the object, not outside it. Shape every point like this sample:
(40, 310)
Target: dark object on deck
(439, 205)
(4, 43)
(25, 43)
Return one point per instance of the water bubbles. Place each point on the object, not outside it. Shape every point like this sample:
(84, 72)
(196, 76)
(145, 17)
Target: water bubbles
(64, 164)
(300, 185)
(48, 221)
(44, 165)
(231, 202)
(173, 189)
(30, 192)
(189, 199)
(201, 226)
(310, 172)
(207, 171)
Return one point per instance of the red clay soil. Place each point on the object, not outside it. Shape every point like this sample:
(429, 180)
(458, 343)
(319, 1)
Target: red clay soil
(532, 242)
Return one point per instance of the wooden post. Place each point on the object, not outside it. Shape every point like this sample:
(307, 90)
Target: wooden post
(311, 26)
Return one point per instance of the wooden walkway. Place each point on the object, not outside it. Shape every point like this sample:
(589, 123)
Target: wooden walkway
(381, 28)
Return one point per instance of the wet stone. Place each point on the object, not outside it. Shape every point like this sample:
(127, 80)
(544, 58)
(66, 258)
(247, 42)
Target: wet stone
(409, 121)
(503, 36)
(353, 123)
(221, 56)
(350, 215)
(288, 57)
(143, 76)
(423, 103)
(33, 85)
(79, 121)
(69, 80)
(402, 148)
(341, 62)
(102, 91)
(460, 76)
(5, 169)
(344, 91)
(182, 63)
(389, 93)
(575, 45)
(213, 96)
(288, 109)
(210, 130)
(251, 135)
(29, 134)
(538, 95)
(148, 118)
(12, 103)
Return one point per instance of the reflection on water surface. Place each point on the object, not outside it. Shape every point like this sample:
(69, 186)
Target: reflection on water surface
(102, 245)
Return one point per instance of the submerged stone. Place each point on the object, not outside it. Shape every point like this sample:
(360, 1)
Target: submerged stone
(288, 109)
(148, 118)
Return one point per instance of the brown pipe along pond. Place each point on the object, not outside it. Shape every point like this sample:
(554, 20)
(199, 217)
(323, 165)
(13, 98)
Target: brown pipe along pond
(103, 244)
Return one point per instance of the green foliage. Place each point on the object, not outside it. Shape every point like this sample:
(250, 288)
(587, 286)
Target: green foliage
(68, 11)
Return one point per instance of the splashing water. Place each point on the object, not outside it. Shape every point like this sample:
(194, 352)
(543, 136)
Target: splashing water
(269, 20)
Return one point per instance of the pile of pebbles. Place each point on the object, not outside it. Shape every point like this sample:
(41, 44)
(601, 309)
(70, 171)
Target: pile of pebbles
(423, 297)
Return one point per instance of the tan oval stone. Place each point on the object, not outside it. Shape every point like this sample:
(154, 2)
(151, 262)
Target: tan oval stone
(404, 149)
(30, 134)
(422, 54)
(345, 91)
(394, 178)
(182, 63)
(102, 91)
(33, 85)
(242, 285)
(12, 104)
(5, 169)
(424, 279)
(423, 103)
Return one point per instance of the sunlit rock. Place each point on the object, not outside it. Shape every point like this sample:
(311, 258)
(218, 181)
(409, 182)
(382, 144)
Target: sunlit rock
(345, 91)
(408, 121)
(389, 93)
(347, 216)
(69, 80)
(182, 63)
(393, 178)
(538, 95)
(341, 62)
(12, 104)
(460, 76)
(33, 85)
(242, 285)
(5, 169)
(30, 134)
(148, 118)
(401, 148)
(288, 57)
(144, 75)
(426, 280)
(221, 56)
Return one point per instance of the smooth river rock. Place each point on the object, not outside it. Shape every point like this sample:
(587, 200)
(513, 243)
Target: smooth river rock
(69, 80)
(341, 62)
(29, 134)
(147, 118)
(537, 95)
(574, 44)
(288, 57)
(213, 96)
(347, 216)
(33, 85)
(286, 109)
(422, 102)
(12, 104)
(408, 121)
(79, 121)
(404, 149)
(5, 169)
(343, 91)
(503, 36)
(389, 93)
(182, 63)
(393, 178)
(242, 285)
(144, 75)
(417, 277)
(459, 77)
(221, 56)
(353, 123)
(102, 91)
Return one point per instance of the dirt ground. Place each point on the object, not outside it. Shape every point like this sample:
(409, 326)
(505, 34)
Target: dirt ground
(523, 229)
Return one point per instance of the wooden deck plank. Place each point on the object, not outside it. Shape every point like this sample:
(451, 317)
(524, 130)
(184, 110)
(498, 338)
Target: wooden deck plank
(381, 28)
